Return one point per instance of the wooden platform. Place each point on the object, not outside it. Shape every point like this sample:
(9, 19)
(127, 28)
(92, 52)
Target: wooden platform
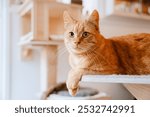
(137, 85)
(40, 42)
(134, 79)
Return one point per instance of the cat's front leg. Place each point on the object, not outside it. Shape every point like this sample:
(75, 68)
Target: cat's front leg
(74, 77)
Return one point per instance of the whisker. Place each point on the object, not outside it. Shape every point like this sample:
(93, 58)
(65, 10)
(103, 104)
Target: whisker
(60, 51)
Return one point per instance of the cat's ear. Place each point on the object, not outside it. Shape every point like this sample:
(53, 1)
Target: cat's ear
(94, 19)
(68, 20)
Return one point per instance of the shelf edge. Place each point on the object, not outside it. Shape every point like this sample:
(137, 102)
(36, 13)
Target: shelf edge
(134, 79)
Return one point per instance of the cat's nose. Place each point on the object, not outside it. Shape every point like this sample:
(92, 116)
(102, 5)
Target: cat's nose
(77, 42)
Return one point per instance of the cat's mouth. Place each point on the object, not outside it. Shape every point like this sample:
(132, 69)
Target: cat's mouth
(76, 47)
(79, 48)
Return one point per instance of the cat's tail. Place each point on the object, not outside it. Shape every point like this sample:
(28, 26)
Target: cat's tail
(54, 89)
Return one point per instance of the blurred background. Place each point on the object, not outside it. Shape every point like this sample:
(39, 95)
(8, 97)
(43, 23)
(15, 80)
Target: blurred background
(32, 53)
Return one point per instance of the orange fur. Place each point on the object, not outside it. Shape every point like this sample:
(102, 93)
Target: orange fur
(91, 53)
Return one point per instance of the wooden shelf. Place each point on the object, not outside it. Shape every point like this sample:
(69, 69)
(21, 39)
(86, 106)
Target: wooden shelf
(56, 37)
(25, 7)
(29, 40)
(38, 17)
(40, 43)
(134, 79)
(139, 91)
(53, 6)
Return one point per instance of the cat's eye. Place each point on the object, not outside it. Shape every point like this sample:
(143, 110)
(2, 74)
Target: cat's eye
(71, 34)
(85, 34)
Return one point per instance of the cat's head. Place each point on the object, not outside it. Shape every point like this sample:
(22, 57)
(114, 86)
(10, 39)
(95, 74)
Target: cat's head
(81, 36)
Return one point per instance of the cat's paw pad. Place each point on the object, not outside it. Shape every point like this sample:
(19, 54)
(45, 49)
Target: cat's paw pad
(72, 88)
(73, 92)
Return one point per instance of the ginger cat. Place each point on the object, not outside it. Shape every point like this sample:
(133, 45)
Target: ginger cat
(92, 53)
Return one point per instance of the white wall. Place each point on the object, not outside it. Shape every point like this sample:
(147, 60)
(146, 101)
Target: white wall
(115, 25)
(0, 50)
(105, 7)
(25, 75)
(4, 51)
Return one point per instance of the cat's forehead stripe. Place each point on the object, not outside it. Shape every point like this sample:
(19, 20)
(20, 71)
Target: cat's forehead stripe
(78, 28)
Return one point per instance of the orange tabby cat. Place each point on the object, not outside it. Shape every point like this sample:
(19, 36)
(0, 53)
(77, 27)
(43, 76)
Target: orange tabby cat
(91, 53)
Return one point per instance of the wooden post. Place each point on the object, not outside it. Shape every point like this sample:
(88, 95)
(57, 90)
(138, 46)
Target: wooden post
(48, 66)
(40, 20)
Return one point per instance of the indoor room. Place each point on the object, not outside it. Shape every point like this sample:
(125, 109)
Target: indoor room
(34, 59)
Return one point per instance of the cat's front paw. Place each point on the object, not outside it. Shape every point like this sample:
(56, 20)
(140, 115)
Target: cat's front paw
(74, 77)
(73, 87)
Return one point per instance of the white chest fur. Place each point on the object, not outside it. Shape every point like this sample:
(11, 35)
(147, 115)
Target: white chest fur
(78, 62)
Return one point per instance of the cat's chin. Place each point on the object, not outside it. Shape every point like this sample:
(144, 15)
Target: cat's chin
(78, 52)
(81, 50)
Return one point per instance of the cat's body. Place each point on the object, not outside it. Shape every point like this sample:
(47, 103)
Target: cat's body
(119, 55)
(91, 53)
(133, 53)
